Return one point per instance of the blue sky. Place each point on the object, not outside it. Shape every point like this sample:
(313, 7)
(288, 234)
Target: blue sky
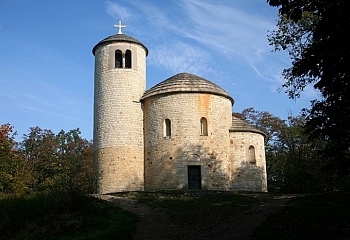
(47, 67)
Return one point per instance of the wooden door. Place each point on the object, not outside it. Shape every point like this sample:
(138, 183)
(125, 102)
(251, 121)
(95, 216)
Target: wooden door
(194, 177)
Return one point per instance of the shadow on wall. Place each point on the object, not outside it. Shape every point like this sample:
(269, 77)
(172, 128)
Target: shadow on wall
(171, 170)
(249, 177)
(134, 183)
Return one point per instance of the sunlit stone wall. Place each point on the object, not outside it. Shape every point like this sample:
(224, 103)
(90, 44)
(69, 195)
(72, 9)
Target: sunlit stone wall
(167, 158)
(118, 119)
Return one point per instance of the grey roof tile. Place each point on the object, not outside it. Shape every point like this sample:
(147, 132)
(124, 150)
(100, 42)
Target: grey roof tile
(239, 125)
(119, 38)
(186, 82)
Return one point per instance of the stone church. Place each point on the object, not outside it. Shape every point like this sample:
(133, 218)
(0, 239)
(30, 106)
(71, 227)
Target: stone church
(179, 134)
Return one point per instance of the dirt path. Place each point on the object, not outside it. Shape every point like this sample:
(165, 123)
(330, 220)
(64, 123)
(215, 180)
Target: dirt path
(156, 224)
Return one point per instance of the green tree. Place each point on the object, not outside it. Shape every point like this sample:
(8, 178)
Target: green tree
(39, 148)
(58, 162)
(313, 32)
(13, 173)
(76, 160)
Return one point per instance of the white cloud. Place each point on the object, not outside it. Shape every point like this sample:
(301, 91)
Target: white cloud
(155, 16)
(202, 31)
(118, 11)
(233, 33)
(181, 57)
(229, 30)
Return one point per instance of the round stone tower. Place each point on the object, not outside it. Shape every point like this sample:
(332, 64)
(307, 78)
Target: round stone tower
(120, 81)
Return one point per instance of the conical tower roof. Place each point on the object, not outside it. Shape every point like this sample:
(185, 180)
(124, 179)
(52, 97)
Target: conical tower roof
(186, 82)
(119, 38)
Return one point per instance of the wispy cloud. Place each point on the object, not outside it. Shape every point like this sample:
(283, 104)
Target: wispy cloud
(118, 11)
(157, 18)
(203, 30)
(181, 57)
(234, 33)
(225, 28)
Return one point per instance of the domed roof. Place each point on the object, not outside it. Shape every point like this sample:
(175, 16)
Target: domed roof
(119, 38)
(186, 82)
(239, 125)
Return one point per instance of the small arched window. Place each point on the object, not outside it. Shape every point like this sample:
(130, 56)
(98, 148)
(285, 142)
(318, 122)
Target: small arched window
(204, 127)
(118, 59)
(251, 152)
(128, 59)
(167, 128)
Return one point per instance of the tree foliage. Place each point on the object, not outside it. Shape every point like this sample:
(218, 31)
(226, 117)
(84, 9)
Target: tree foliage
(45, 161)
(57, 160)
(314, 33)
(13, 171)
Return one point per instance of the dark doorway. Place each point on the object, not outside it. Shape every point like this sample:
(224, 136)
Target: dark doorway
(194, 177)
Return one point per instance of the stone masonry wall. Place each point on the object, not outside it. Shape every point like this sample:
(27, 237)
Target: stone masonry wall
(167, 158)
(119, 169)
(247, 175)
(118, 119)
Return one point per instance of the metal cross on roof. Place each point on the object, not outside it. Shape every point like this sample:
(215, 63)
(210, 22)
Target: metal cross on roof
(120, 26)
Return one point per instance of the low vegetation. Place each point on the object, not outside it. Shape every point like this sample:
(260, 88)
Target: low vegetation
(62, 215)
(316, 216)
(71, 215)
(306, 216)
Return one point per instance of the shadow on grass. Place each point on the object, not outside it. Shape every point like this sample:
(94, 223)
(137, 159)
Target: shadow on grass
(62, 215)
(317, 216)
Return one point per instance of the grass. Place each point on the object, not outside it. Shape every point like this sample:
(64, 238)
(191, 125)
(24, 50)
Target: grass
(62, 215)
(75, 216)
(205, 208)
(206, 201)
(317, 216)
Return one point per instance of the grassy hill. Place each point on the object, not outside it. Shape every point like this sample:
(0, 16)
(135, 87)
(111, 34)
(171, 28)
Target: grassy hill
(75, 216)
